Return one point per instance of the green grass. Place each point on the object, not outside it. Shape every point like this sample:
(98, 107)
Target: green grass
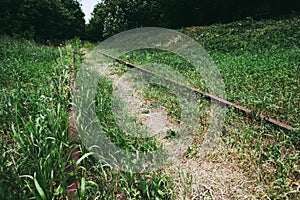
(266, 153)
(260, 65)
(34, 145)
(118, 136)
(117, 184)
(259, 62)
(33, 121)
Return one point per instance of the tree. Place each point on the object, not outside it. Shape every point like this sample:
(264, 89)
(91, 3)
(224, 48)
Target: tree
(94, 30)
(113, 16)
(9, 16)
(182, 13)
(42, 19)
(115, 22)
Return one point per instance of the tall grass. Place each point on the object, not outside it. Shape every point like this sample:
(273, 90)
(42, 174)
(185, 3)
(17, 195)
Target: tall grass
(115, 184)
(259, 62)
(35, 146)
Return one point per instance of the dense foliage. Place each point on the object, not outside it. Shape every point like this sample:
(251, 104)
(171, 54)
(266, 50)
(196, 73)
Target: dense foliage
(113, 16)
(41, 20)
(181, 13)
(58, 20)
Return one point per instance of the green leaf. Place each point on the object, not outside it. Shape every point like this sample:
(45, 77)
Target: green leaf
(82, 189)
(38, 187)
(83, 157)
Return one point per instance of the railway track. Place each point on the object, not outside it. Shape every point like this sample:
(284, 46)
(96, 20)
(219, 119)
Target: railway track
(223, 102)
(74, 186)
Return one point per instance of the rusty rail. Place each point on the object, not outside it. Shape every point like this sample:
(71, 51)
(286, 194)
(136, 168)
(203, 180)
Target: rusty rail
(247, 111)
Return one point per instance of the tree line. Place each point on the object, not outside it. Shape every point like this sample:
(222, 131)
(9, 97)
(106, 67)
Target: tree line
(44, 20)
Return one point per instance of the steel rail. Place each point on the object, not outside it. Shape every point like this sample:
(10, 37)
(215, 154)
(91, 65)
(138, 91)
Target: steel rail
(248, 112)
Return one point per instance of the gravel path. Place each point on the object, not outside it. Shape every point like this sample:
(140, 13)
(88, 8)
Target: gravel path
(215, 176)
